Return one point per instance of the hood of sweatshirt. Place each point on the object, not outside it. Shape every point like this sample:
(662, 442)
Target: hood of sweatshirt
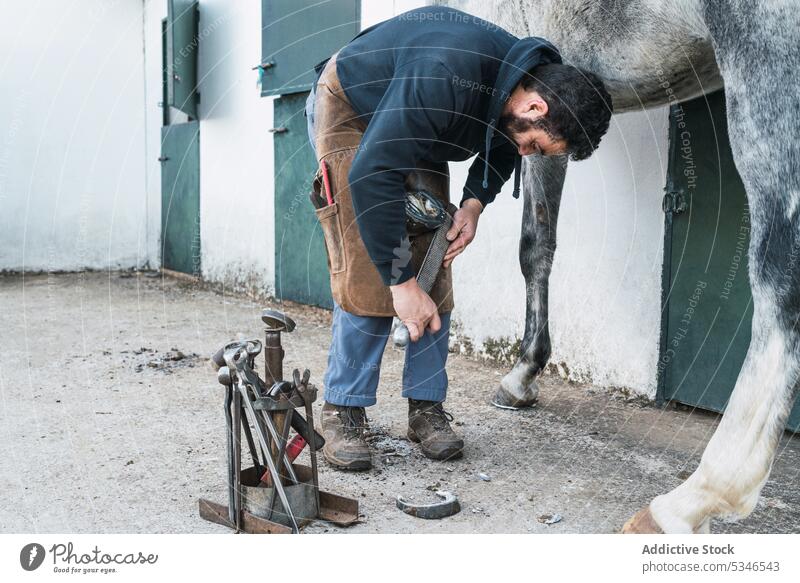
(525, 54)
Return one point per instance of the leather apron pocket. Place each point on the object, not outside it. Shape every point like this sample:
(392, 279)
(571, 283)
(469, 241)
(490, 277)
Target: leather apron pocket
(330, 222)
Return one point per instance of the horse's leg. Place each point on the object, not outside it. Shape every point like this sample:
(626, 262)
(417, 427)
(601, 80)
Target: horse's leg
(738, 458)
(543, 180)
(758, 63)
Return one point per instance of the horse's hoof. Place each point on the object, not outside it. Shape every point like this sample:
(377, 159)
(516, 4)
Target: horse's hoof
(505, 400)
(642, 523)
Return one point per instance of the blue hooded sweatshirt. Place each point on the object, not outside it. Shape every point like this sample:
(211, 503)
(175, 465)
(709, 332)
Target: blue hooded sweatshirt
(431, 85)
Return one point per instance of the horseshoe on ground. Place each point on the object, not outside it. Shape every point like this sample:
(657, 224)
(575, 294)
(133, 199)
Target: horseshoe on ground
(447, 507)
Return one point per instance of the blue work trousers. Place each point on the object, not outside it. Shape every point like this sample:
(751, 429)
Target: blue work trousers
(354, 361)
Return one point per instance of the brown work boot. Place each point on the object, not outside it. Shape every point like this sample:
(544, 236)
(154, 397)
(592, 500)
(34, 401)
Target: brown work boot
(343, 430)
(429, 425)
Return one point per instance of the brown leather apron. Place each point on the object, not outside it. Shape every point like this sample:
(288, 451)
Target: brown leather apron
(355, 283)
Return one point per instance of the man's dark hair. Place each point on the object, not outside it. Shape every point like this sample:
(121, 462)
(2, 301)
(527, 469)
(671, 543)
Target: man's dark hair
(578, 106)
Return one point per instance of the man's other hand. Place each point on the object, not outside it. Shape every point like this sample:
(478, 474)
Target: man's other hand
(415, 309)
(465, 225)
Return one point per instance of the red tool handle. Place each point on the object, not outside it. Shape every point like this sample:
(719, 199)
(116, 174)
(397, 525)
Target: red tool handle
(326, 181)
(295, 446)
(293, 449)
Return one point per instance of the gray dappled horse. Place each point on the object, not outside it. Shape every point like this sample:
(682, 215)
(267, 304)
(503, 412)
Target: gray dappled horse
(652, 52)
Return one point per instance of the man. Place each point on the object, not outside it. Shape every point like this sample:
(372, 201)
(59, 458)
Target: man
(386, 115)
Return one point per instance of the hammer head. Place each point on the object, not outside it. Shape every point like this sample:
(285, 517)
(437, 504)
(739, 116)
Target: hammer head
(277, 321)
(224, 376)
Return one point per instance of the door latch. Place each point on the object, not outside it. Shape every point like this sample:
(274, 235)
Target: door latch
(265, 66)
(279, 130)
(163, 158)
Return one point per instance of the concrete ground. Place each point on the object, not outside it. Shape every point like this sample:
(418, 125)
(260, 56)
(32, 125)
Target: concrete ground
(102, 432)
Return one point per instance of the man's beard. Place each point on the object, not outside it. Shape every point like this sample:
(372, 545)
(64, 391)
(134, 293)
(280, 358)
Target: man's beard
(512, 125)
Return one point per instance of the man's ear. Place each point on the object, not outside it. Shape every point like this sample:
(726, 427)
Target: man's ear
(535, 106)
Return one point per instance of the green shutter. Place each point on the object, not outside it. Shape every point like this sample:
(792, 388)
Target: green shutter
(298, 34)
(182, 48)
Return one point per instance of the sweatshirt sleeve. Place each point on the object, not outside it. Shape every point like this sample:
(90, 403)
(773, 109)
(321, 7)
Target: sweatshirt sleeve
(416, 108)
(501, 165)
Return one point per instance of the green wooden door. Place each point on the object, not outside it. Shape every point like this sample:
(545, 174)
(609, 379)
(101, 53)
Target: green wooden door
(298, 34)
(180, 198)
(301, 269)
(708, 312)
(182, 42)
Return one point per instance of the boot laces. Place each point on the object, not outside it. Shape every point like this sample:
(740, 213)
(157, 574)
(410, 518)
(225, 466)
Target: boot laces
(438, 417)
(354, 421)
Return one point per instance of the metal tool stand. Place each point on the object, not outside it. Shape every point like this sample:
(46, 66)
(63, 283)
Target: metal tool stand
(287, 497)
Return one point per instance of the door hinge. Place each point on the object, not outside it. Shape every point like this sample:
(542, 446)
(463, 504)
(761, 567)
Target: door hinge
(674, 202)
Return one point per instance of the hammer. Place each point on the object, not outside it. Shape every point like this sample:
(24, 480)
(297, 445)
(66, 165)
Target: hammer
(428, 271)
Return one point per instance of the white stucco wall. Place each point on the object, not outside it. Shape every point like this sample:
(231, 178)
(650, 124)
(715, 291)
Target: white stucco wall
(72, 151)
(236, 186)
(236, 157)
(606, 280)
(154, 12)
(605, 289)
(80, 127)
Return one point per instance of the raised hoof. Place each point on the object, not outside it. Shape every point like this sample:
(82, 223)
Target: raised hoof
(505, 400)
(642, 523)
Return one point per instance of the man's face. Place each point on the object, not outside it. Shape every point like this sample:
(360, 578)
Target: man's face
(531, 137)
(523, 122)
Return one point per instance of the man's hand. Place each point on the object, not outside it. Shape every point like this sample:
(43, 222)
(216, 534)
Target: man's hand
(415, 309)
(465, 225)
